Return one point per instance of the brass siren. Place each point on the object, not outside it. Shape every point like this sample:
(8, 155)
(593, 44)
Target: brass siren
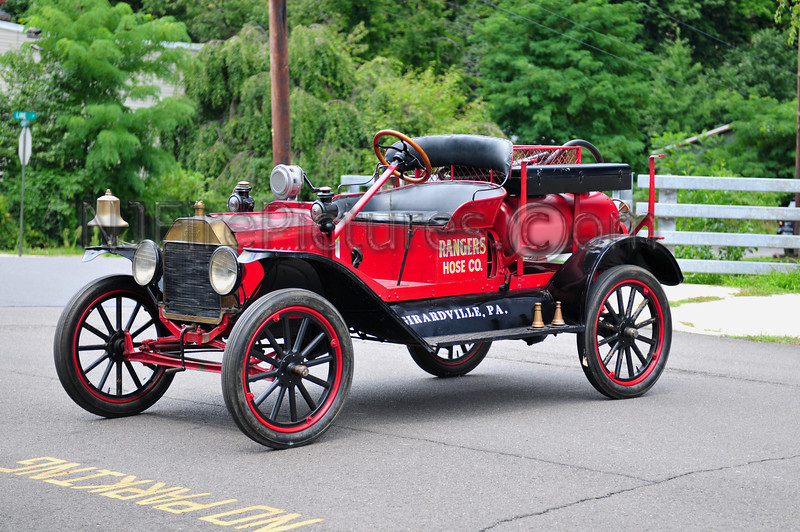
(538, 323)
(108, 218)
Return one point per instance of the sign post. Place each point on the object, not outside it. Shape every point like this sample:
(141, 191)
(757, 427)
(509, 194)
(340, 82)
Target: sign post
(25, 148)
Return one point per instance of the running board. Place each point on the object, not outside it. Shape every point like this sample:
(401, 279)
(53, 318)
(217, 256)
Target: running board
(520, 333)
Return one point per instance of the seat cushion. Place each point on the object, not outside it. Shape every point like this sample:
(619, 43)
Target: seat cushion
(475, 151)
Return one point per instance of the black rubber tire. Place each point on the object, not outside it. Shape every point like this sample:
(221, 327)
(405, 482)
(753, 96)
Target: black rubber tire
(625, 346)
(458, 360)
(319, 342)
(88, 345)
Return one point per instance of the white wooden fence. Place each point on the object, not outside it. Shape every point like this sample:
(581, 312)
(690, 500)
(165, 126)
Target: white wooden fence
(667, 210)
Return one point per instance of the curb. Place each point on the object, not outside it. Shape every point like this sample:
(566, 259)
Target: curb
(719, 311)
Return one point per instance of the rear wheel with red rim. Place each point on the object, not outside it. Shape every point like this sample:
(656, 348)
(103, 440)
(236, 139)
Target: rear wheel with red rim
(450, 361)
(90, 348)
(626, 343)
(287, 368)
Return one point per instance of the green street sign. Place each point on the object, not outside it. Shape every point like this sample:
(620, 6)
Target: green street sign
(30, 116)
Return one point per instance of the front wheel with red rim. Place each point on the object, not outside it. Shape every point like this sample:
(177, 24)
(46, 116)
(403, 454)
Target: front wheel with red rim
(287, 368)
(97, 329)
(626, 343)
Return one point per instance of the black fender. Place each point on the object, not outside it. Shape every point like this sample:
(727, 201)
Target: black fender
(571, 283)
(91, 253)
(358, 304)
(155, 288)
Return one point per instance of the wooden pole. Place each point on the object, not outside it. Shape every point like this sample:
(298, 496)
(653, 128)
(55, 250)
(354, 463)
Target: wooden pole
(797, 138)
(279, 79)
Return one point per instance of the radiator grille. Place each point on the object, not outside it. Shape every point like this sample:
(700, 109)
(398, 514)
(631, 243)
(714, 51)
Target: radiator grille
(187, 291)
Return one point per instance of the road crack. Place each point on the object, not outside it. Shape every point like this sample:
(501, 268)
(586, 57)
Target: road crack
(731, 377)
(492, 452)
(648, 484)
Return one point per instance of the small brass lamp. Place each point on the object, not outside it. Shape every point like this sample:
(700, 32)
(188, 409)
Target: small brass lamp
(108, 218)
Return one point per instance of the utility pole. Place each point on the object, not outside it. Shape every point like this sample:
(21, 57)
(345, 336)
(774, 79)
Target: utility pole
(797, 139)
(279, 79)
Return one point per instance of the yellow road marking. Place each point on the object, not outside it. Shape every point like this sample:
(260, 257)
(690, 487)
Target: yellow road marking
(157, 495)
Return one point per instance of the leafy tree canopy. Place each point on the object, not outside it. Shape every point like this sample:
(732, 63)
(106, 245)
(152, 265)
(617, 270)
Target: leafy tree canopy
(103, 57)
(545, 85)
(425, 34)
(215, 19)
(764, 67)
(337, 103)
(93, 60)
(713, 28)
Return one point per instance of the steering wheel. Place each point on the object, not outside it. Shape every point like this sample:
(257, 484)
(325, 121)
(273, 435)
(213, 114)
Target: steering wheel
(421, 157)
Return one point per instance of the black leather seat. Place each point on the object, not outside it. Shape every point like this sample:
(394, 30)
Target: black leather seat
(476, 151)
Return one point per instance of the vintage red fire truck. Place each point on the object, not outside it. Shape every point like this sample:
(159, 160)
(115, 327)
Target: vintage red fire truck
(461, 241)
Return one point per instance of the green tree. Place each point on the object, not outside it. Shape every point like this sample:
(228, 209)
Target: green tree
(761, 142)
(319, 62)
(789, 11)
(232, 140)
(336, 106)
(214, 19)
(566, 71)
(765, 67)
(8, 233)
(682, 99)
(93, 60)
(107, 57)
(53, 181)
(420, 103)
(713, 27)
(421, 35)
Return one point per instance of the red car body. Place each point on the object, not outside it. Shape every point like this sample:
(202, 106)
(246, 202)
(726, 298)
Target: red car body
(497, 243)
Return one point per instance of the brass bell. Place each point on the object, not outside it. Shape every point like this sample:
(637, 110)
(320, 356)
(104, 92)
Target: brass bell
(108, 218)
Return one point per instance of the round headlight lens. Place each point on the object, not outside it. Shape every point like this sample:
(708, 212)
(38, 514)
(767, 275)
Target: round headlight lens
(146, 262)
(224, 271)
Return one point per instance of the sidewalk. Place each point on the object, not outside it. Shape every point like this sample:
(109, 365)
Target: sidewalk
(718, 311)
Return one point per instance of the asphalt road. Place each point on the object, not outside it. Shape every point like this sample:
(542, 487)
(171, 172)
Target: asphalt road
(524, 442)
